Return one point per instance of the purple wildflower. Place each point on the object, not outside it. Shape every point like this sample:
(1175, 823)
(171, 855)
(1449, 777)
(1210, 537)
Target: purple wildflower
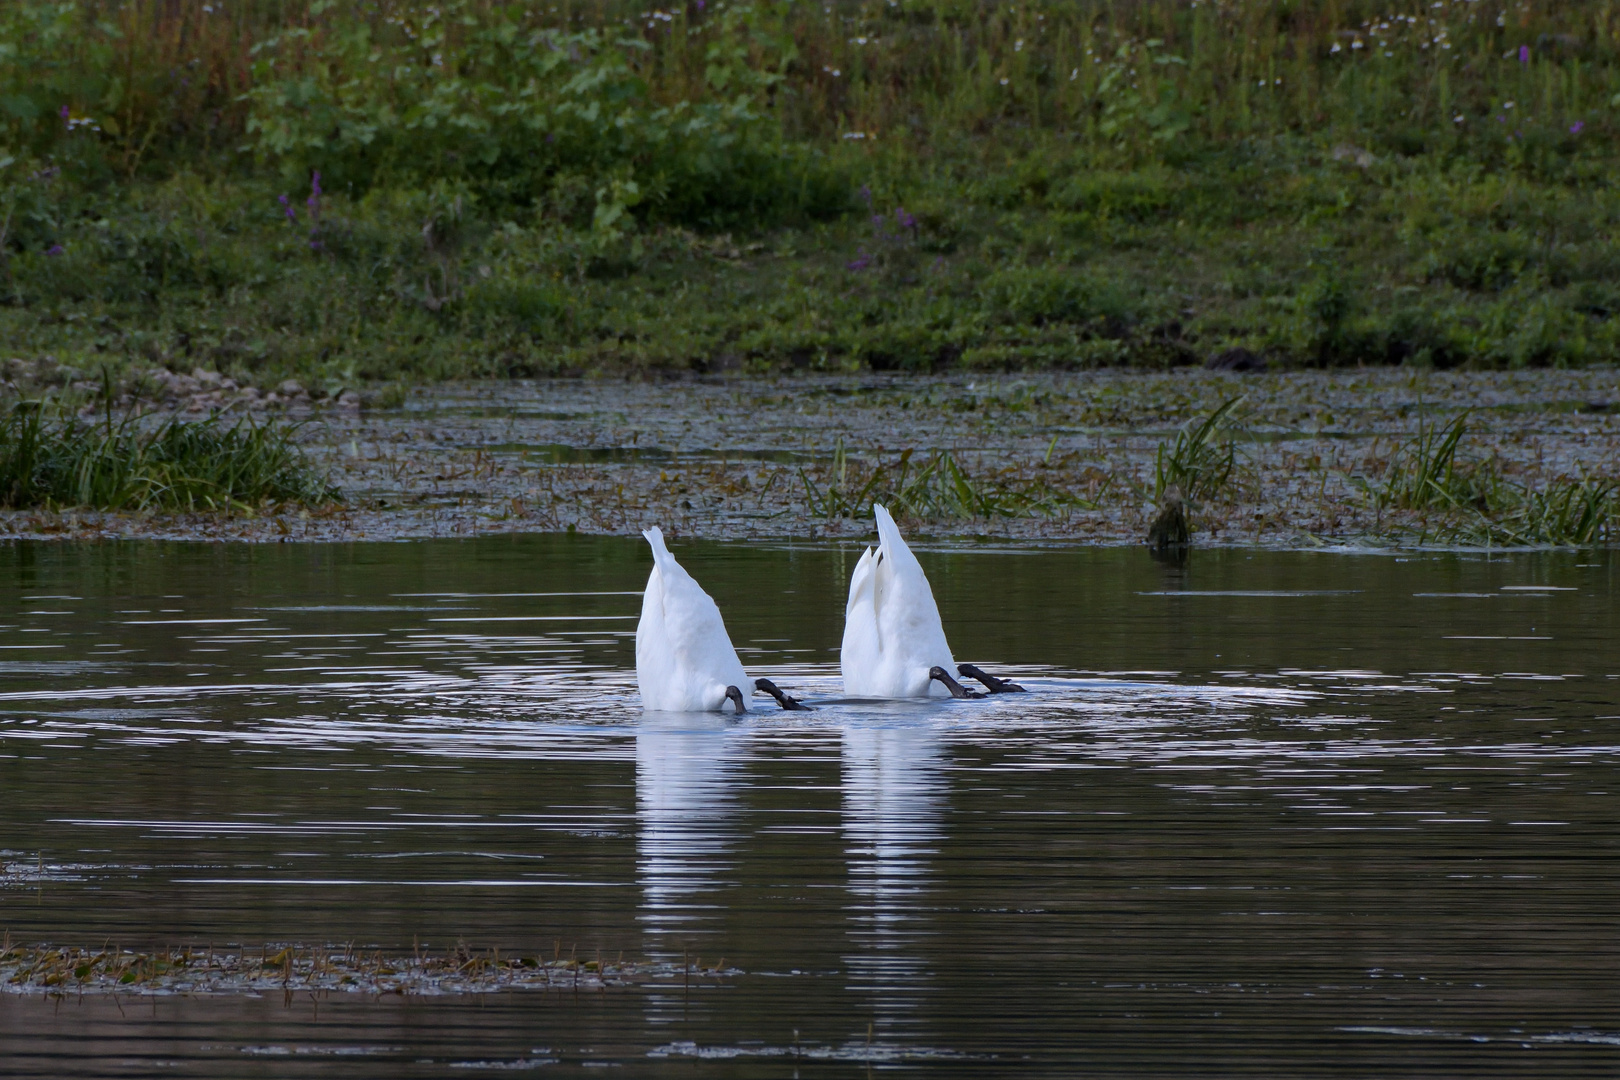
(700, 5)
(56, 249)
(1524, 54)
(1577, 127)
(314, 204)
(286, 208)
(65, 113)
(866, 195)
(861, 261)
(907, 221)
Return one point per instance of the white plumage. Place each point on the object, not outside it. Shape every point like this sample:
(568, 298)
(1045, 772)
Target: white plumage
(684, 659)
(892, 632)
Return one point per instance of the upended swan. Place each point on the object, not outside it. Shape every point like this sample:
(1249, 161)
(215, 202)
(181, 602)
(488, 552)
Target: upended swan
(685, 661)
(894, 643)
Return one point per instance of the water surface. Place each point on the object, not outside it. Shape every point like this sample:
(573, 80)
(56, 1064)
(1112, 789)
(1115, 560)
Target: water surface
(1303, 813)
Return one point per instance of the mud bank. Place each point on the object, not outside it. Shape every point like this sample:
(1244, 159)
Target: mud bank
(1060, 458)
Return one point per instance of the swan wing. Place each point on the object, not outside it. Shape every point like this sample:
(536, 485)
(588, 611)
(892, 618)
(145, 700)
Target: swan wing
(860, 659)
(860, 582)
(656, 675)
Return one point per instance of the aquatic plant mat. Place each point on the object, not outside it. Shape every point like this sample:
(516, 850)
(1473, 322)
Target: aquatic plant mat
(1291, 458)
(327, 969)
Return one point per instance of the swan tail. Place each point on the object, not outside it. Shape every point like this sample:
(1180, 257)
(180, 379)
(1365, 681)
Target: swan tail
(889, 536)
(661, 555)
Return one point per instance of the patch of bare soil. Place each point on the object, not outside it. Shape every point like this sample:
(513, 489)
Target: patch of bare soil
(1051, 457)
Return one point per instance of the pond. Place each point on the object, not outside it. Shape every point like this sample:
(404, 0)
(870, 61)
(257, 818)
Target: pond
(1310, 813)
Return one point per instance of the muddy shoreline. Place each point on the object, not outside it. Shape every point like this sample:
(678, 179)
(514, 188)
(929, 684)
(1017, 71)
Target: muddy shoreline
(743, 458)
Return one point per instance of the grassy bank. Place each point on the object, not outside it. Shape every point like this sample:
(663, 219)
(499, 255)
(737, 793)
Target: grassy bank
(344, 193)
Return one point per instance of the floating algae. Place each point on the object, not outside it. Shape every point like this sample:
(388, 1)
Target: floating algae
(289, 969)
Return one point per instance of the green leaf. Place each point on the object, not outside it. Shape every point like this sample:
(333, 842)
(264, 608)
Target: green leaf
(20, 106)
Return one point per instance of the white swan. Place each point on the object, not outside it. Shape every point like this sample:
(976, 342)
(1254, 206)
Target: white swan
(893, 640)
(894, 643)
(685, 661)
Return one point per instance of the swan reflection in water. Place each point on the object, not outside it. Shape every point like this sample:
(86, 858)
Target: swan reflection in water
(894, 794)
(687, 768)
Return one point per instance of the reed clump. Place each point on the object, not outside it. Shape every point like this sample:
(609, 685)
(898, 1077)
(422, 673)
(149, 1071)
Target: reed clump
(1453, 497)
(1200, 461)
(138, 463)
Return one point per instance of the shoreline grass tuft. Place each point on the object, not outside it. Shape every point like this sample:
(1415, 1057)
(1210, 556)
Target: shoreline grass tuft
(136, 463)
(1452, 498)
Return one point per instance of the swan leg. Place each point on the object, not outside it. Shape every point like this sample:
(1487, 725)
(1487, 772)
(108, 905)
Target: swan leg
(957, 689)
(788, 702)
(734, 696)
(997, 686)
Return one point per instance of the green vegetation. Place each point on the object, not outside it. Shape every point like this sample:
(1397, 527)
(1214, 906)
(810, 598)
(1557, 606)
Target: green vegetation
(131, 464)
(344, 192)
(939, 487)
(1196, 463)
(1452, 499)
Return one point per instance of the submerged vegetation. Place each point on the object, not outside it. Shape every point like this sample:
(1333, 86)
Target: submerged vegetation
(327, 969)
(139, 463)
(344, 192)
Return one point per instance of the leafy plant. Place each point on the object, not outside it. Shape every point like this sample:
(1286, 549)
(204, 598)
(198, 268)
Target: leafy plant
(475, 95)
(1197, 462)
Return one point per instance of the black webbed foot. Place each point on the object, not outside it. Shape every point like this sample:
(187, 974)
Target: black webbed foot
(957, 689)
(789, 703)
(997, 686)
(734, 696)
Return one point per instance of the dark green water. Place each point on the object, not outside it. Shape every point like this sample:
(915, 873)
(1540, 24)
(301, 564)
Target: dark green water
(1262, 813)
